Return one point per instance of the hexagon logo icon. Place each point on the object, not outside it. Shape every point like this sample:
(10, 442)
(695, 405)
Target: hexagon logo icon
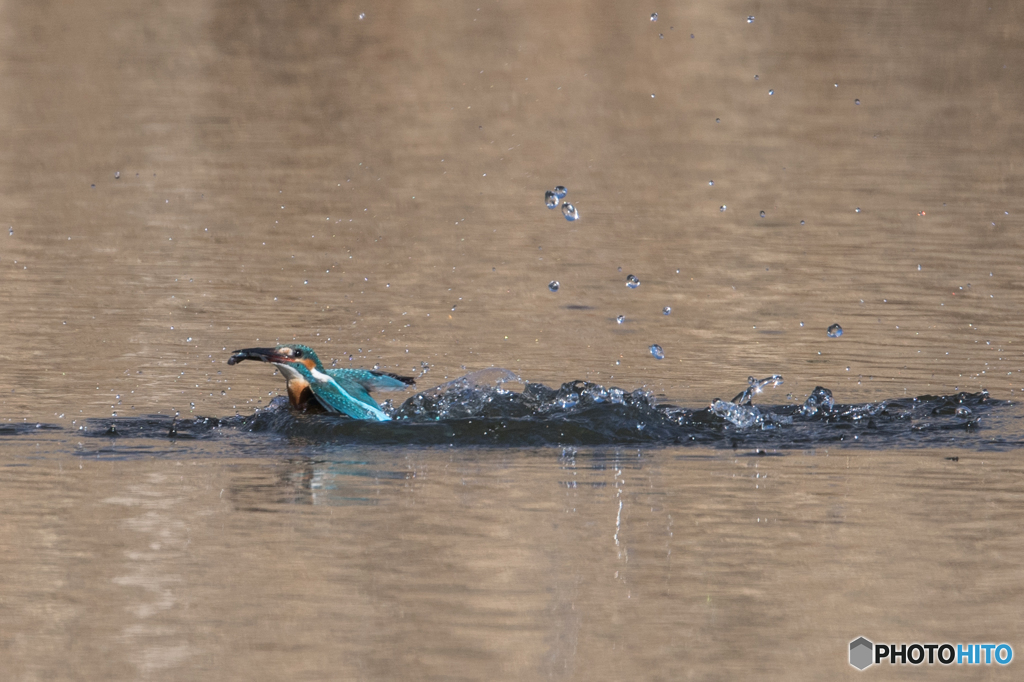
(861, 651)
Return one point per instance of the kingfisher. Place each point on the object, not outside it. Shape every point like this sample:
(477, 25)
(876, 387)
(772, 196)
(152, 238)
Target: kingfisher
(335, 390)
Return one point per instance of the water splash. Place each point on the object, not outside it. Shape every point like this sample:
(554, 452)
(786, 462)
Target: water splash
(755, 387)
(495, 407)
(819, 402)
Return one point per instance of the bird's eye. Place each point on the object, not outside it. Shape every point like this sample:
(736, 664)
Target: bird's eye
(298, 353)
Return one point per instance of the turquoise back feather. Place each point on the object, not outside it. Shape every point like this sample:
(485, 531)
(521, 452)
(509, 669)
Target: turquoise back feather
(342, 394)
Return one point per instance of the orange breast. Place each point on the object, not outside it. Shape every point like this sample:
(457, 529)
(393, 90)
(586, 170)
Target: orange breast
(299, 392)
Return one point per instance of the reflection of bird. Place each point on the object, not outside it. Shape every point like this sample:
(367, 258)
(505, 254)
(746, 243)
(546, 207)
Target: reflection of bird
(336, 390)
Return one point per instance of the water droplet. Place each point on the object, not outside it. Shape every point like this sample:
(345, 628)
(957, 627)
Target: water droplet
(963, 412)
(560, 192)
(305, 281)
(553, 286)
(570, 212)
(857, 210)
(750, 19)
(652, 95)
(718, 120)
(620, 319)
(762, 214)
(801, 324)
(453, 308)
(188, 340)
(666, 310)
(722, 208)
(756, 77)
(801, 222)
(856, 102)
(362, 15)
(10, 233)
(117, 175)
(661, 35)
(632, 281)
(550, 199)
(771, 92)
(918, 268)
(657, 352)
(835, 331)
(654, 17)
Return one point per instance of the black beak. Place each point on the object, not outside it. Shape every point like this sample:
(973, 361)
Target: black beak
(261, 354)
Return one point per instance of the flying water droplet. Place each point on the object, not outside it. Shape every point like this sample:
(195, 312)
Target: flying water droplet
(553, 286)
(711, 183)
(857, 210)
(657, 352)
(771, 92)
(117, 175)
(750, 19)
(835, 331)
(762, 214)
(654, 17)
(570, 212)
(856, 102)
(722, 208)
(666, 310)
(620, 319)
(560, 192)
(550, 199)
(801, 222)
(632, 281)
(362, 15)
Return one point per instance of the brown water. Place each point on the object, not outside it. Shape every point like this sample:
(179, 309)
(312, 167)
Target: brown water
(287, 170)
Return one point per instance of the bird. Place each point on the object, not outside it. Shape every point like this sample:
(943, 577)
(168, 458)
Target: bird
(310, 386)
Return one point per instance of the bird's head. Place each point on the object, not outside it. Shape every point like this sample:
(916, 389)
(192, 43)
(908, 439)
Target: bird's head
(285, 355)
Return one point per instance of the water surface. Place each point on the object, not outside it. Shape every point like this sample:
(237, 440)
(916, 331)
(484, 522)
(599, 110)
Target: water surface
(183, 179)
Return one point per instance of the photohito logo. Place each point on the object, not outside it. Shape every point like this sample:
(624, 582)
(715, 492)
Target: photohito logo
(864, 653)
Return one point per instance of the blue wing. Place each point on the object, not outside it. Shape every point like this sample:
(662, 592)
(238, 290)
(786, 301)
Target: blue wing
(370, 380)
(346, 396)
